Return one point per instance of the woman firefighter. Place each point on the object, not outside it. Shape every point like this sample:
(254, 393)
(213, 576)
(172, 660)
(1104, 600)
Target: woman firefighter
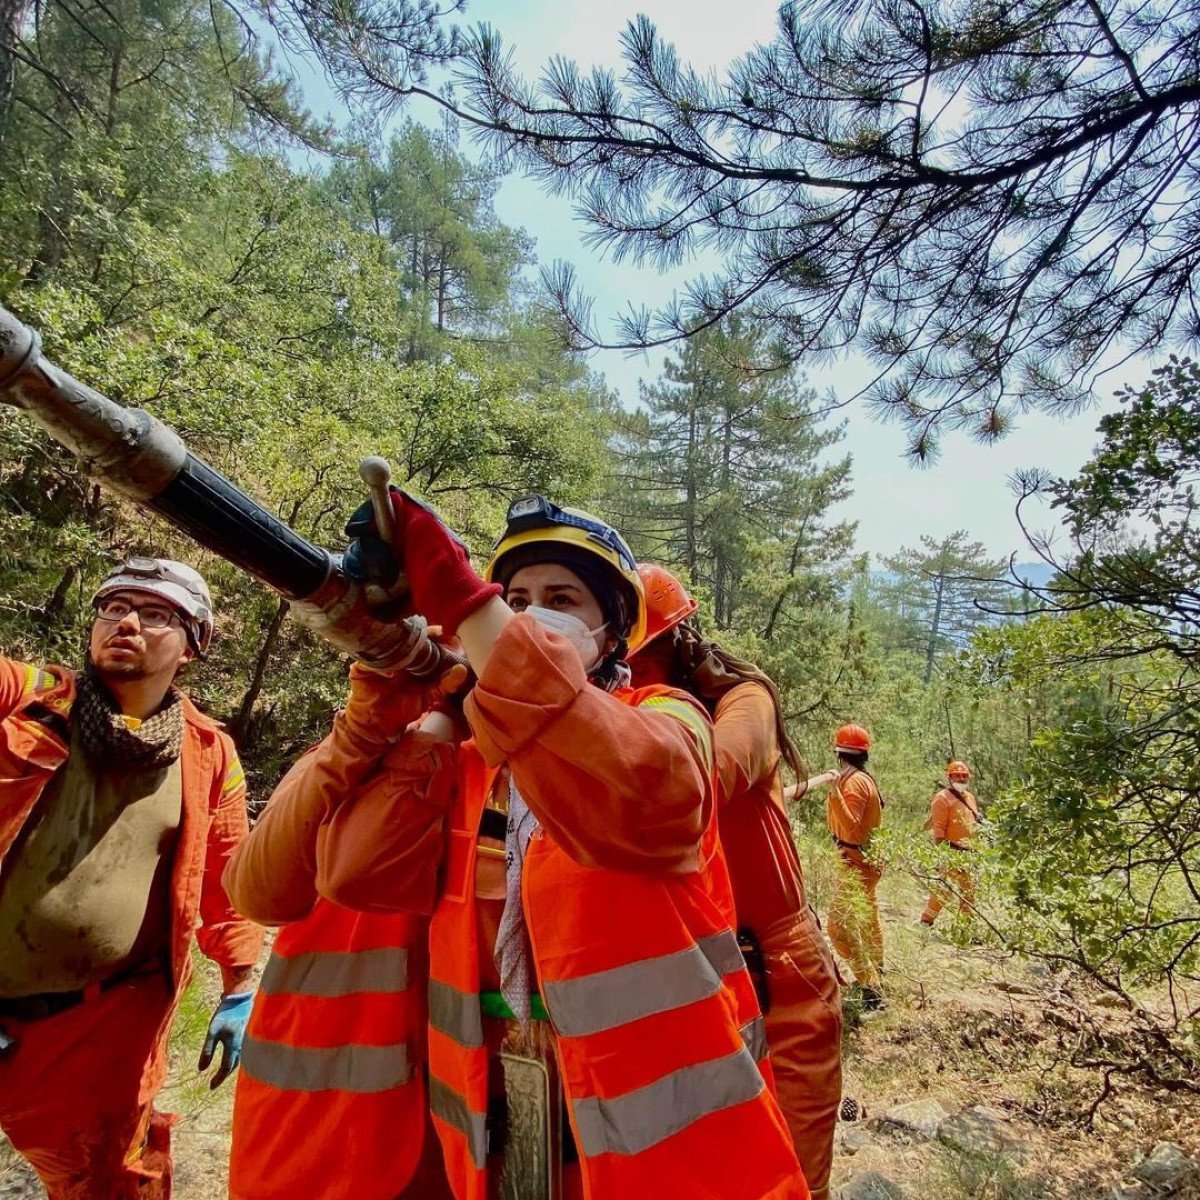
(592, 1029)
(800, 999)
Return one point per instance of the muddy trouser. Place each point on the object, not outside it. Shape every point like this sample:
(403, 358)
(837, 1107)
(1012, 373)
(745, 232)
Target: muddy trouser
(77, 1091)
(804, 1033)
(961, 884)
(854, 927)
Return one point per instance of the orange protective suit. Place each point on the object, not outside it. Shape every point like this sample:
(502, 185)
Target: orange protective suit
(853, 811)
(628, 908)
(330, 1098)
(953, 817)
(804, 1017)
(77, 1090)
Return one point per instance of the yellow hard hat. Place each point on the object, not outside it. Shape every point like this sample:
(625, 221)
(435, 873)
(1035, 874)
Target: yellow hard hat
(535, 521)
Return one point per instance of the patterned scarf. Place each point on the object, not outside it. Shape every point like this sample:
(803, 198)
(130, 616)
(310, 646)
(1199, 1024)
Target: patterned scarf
(109, 742)
(513, 955)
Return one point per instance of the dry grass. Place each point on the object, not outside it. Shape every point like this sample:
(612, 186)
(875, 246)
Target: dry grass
(971, 1026)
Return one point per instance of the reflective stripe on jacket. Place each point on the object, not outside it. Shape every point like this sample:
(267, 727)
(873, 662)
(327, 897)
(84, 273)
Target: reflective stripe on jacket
(659, 1039)
(330, 1100)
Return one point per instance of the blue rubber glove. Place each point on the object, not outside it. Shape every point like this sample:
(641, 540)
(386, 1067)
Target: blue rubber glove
(368, 558)
(228, 1029)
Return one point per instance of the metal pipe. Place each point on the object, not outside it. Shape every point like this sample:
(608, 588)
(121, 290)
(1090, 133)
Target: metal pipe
(146, 461)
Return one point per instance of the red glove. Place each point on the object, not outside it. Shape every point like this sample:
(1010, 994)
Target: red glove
(445, 588)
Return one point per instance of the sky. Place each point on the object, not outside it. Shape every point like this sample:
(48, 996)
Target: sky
(894, 503)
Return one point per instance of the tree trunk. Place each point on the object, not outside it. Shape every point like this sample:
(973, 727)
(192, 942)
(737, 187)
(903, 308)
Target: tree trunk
(241, 722)
(935, 626)
(114, 90)
(689, 515)
(414, 321)
(722, 586)
(442, 286)
(777, 607)
(12, 18)
(53, 607)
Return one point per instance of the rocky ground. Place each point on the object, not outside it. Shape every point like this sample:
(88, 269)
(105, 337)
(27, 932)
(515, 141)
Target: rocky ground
(965, 1082)
(970, 1095)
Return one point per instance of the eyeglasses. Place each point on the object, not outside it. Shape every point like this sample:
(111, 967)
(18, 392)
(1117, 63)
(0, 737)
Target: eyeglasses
(150, 616)
(534, 512)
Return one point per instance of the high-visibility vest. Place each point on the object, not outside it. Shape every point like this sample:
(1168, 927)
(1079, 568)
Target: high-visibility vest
(330, 1100)
(658, 1033)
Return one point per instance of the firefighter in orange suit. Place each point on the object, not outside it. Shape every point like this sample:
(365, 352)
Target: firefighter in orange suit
(854, 810)
(120, 804)
(335, 1046)
(953, 819)
(775, 923)
(592, 1026)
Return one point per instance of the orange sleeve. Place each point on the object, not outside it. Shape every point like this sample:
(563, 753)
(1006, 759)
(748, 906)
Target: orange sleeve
(383, 852)
(225, 935)
(617, 786)
(381, 705)
(14, 682)
(744, 737)
(19, 680)
(272, 877)
(939, 818)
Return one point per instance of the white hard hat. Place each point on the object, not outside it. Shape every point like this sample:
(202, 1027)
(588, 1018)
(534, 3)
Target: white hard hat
(181, 586)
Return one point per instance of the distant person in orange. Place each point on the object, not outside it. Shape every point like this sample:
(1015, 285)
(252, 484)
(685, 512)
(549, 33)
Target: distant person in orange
(778, 930)
(854, 810)
(953, 819)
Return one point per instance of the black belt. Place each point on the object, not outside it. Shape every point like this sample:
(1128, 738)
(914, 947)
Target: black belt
(962, 849)
(49, 1004)
(845, 845)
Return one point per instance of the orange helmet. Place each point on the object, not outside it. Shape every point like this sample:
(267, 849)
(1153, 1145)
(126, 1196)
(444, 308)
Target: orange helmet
(667, 601)
(853, 738)
(958, 770)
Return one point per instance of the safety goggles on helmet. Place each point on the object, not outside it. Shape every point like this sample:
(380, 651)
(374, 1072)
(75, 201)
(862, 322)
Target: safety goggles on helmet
(536, 512)
(167, 571)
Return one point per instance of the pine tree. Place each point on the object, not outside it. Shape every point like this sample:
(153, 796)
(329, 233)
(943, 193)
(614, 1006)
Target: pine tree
(726, 479)
(951, 585)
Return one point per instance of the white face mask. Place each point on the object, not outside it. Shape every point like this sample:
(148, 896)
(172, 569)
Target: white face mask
(586, 641)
